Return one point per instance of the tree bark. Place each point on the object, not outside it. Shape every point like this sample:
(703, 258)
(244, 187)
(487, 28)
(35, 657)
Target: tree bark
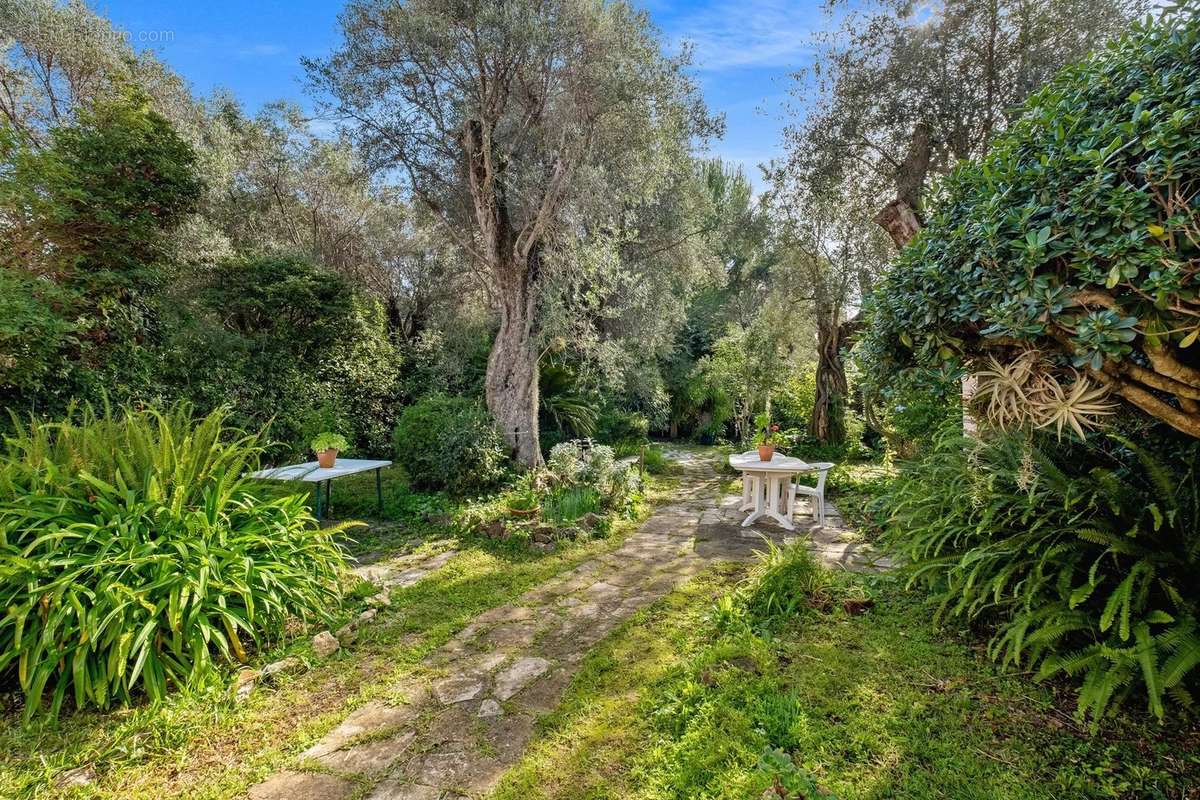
(828, 424)
(901, 218)
(900, 222)
(511, 382)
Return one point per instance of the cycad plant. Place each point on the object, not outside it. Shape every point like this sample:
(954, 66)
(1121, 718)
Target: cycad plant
(1083, 558)
(136, 556)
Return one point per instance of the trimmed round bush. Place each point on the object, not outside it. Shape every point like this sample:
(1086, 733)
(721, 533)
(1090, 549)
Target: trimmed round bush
(450, 444)
(137, 558)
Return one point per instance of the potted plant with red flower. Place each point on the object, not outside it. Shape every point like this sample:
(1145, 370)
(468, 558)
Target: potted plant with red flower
(768, 436)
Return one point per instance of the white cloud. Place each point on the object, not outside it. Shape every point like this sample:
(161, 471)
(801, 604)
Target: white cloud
(728, 34)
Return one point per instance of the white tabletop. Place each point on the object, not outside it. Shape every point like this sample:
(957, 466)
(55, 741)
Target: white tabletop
(311, 471)
(778, 463)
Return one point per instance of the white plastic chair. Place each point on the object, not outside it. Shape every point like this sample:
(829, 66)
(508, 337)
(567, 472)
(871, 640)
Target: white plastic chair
(817, 493)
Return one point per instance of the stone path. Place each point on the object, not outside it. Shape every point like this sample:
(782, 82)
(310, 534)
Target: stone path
(405, 570)
(454, 730)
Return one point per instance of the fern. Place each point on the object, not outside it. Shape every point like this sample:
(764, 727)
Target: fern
(1084, 570)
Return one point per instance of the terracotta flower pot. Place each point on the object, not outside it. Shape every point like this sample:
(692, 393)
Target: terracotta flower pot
(523, 512)
(766, 452)
(327, 458)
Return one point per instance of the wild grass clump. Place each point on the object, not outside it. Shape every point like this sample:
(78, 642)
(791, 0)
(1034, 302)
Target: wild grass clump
(136, 557)
(656, 461)
(785, 582)
(568, 505)
(1083, 558)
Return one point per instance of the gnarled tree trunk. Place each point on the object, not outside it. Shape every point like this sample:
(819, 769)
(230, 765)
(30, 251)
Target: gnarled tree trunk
(511, 383)
(512, 371)
(828, 424)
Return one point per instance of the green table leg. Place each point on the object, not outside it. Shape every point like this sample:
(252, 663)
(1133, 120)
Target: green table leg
(328, 495)
(318, 503)
(379, 490)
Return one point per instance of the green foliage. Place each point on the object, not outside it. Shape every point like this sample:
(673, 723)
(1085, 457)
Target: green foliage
(564, 402)
(571, 503)
(656, 461)
(792, 405)
(1083, 557)
(450, 443)
(617, 427)
(36, 336)
(329, 441)
(86, 223)
(785, 582)
(1074, 235)
(787, 779)
(279, 339)
(136, 557)
(573, 465)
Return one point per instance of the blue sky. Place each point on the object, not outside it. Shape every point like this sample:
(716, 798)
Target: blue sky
(745, 50)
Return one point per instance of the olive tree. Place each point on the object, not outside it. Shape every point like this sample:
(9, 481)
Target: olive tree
(516, 124)
(904, 92)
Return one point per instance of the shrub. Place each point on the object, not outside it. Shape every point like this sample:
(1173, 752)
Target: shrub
(1072, 241)
(135, 555)
(450, 443)
(616, 427)
(1084, 557)
(656, 461)
(792, 406)
(572, 464)
(279, 338)
(87, 217)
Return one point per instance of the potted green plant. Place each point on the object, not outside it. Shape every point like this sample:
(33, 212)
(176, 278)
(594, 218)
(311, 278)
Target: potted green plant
(327, 446)
(523, 502)
(767, 438)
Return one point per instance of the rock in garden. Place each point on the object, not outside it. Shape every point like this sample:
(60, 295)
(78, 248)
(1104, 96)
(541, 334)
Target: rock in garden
(381, 600)
(569, 534)
(457, 689)
(80, 776)
(590, 519)
(366, 616)
(542, 538)
(496, 529)
(543, 547)
(490, 708)
(284, 665)
(324, 644)
(244, 684)
(518, 675)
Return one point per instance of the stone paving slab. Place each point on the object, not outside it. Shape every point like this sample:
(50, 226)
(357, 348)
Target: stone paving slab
(473, 713)
(404, 570)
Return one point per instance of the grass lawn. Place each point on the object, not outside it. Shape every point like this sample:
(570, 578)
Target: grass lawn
(882, 705)
(206, 745)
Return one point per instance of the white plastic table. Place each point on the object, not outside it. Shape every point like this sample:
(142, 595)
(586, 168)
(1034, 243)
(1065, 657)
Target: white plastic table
(769, 473)
(311, 472)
